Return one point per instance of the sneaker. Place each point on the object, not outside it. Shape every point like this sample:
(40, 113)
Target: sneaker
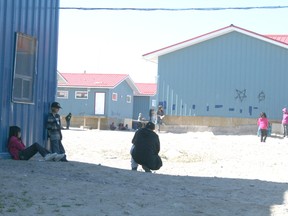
(50, 156)
(64, 159)
(146, 169)
(58, 157)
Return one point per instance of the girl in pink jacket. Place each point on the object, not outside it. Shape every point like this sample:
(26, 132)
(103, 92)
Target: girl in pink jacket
(263, 125)
(285, 122)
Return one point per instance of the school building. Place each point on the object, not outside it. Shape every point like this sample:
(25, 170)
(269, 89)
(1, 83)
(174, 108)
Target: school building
(223, 78)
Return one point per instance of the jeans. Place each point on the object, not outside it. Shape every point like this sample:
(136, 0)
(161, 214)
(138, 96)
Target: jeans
(30, 151)
(263, 135)
(134, 165)
(285, 128)
(57, 147)
(67, 124)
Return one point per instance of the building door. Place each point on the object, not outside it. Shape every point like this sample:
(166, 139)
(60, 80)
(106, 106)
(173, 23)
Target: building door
(99, 103)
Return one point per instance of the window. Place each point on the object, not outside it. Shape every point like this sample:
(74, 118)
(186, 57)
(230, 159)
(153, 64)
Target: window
(153, 103)
(62, 94)
(128, 98)
(114, 96)
(81, 95)
(24, 68)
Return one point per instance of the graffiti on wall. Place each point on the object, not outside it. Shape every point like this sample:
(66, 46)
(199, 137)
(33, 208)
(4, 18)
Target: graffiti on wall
(261, 96)
(240, 95)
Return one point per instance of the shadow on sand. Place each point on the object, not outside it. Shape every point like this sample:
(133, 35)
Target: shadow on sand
(76, 188)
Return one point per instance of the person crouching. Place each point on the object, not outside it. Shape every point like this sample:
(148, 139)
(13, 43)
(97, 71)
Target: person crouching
(146, 148)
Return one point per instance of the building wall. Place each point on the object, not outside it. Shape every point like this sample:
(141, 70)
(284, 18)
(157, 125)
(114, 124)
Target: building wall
(141, 105)
(39, 19)
(116, 111)
(80, 107)
(121, 109)
(233, 75)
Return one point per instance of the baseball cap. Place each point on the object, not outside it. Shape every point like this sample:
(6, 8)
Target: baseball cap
(56, 105)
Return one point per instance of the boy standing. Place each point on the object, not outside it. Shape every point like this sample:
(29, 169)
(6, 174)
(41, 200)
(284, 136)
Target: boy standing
(54, 130)
(68, 119)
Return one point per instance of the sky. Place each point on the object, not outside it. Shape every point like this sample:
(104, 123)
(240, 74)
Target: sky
(105, 41)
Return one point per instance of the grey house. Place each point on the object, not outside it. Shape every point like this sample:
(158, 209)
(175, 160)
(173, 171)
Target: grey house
(227, 75)
(28, 62)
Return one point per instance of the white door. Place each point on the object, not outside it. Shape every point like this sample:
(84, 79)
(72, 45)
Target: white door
(99, 103)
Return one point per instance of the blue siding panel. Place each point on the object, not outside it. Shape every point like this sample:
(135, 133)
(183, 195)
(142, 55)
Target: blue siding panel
(141, 105)
(233, 71)
(121, 109)
(39, 19)
(80, 107)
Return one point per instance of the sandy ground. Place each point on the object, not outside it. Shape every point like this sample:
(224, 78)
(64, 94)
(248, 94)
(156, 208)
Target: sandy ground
(203, 174)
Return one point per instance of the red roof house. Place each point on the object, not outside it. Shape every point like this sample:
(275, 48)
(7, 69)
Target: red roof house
(146, 89)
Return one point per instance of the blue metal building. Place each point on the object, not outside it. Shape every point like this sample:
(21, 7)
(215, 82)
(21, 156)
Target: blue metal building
(231, 72)
(28, 64)
(106, 95)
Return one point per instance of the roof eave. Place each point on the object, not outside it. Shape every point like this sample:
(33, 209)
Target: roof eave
(94, 87)
(153, 56)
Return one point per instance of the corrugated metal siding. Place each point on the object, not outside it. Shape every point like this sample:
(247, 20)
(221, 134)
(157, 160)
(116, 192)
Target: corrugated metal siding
(212, 77)
(121, 109)
(39, 19)
(141, 105)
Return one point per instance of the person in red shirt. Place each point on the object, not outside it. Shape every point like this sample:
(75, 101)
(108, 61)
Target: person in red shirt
(263, 124)
(18, 150)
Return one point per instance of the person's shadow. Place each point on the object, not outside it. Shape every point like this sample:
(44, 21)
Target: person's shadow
(136, 193)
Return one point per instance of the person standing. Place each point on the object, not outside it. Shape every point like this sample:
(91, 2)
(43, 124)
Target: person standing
(19, 151)
(146, 148)
(54, 130)
(285, 122)
(68, 119)
(152, 117)
(263, 125)
(160, 116)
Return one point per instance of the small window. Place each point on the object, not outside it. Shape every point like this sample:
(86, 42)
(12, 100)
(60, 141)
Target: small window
(24, 68)
(128, 98)
(114, 96)
(62, 94)
(81, 95)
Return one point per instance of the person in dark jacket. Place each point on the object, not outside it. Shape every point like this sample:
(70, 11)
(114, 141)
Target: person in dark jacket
(146, 148)
(68, 119)
(160, 116)
(54, 130)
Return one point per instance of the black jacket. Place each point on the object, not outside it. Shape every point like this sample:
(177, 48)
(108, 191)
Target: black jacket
(147, 147)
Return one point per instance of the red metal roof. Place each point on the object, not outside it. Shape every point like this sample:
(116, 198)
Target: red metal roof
(147, 88)
(92, 80)
(281, 38)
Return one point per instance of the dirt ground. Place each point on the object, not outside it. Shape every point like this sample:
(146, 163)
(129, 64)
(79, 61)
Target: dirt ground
(203, 174)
